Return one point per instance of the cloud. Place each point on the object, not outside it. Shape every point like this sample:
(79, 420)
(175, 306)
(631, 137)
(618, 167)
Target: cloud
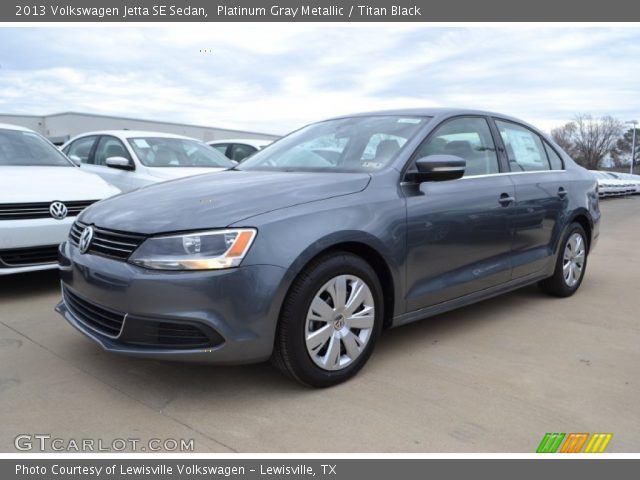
(276, 77)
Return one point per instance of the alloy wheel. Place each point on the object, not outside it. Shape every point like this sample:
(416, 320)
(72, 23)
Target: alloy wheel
(573, 260)
(339, 322)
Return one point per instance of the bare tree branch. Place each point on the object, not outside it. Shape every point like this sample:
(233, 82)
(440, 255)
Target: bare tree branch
(589, 140)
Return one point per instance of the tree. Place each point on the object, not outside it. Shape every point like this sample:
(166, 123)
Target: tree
(563, 136)
(622, 151)
(589, 140)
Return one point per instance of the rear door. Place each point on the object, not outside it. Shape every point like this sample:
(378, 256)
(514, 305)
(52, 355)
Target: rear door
(541, 190)
(459, 231)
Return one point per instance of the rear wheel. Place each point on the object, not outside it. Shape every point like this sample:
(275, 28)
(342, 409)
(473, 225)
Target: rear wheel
(570, 265)
(330, 321)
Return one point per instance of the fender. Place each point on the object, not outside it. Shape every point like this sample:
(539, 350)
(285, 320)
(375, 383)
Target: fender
(333, 240)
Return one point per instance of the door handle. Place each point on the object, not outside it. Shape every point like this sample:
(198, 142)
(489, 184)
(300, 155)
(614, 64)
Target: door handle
(562, 192)
(506, 200)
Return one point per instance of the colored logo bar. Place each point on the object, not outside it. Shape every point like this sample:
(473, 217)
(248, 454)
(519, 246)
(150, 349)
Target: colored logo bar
(574, 442)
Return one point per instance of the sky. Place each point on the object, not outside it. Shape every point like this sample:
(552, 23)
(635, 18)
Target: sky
(274, 78)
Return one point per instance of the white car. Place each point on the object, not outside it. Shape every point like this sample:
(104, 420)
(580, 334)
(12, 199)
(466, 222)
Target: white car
(606, 187)
(41, 193)
(635, 180)
(609, 185)
(237, 149)
(632, 182)
(132, 159)
(624, 187)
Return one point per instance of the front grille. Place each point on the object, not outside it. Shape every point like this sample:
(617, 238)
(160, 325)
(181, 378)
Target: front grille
(103, 320)
(23, 257)
(108, 243)
(26, 211)
(139, 330)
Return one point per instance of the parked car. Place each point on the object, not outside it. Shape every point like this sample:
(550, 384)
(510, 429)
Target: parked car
(617, 184)
(131, 159)
(238, 149)
(634, 180)
(607, 185)
(305, 259)
(628, 187)
(41, 193)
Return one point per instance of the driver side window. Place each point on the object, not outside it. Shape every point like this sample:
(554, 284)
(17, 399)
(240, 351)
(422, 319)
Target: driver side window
(466, 137)
(110, 147)
(81, 149)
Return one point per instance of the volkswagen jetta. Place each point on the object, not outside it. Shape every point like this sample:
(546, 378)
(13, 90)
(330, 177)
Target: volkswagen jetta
(307, 251)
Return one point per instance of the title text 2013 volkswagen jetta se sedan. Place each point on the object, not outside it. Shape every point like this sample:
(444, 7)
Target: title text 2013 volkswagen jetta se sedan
(306, 251)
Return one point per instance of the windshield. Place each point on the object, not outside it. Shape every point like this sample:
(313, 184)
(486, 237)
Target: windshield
(177, 152)
(28, 149)
(356, 144)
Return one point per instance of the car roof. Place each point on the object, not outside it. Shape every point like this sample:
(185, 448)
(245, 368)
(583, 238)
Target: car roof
(6, 126)
(442, 113)
(248, 141)
(425, 112)
(133, 134)
(435, 112)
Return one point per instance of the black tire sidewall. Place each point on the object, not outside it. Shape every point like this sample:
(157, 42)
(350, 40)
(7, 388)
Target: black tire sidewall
(314, 278)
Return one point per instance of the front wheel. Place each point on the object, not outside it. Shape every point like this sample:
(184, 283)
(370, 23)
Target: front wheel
(330, 321)
(570, 265)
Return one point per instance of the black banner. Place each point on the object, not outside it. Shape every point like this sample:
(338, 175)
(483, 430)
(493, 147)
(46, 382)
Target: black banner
(317, 11)
(333, 469)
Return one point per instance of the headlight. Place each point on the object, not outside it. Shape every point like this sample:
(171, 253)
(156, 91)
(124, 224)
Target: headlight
(195, 251)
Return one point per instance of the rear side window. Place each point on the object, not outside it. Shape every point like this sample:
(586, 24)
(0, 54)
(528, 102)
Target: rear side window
(554, 158)
(524, 148)
(81, 148)
(468, 138)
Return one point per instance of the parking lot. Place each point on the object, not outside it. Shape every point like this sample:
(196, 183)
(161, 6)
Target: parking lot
(493, 377)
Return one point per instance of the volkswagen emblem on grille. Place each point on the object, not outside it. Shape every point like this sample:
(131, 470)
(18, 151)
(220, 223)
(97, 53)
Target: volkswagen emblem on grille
(58, 210)
(85, 239)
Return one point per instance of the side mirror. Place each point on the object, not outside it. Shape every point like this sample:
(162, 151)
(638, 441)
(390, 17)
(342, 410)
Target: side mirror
(76, 160)
(120, 163)
(436, 168)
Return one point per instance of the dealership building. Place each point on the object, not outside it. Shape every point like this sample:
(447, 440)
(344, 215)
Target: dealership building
(60, 127)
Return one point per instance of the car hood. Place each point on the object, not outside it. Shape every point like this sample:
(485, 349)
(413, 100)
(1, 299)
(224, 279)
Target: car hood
(169, 173)
(46, 184)
(217, 200)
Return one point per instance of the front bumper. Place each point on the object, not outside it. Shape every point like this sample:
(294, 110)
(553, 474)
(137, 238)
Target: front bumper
(237, 308)
(31, 235)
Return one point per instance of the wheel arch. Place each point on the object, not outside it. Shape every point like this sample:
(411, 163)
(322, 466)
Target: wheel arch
(583, 218)
(364, 246)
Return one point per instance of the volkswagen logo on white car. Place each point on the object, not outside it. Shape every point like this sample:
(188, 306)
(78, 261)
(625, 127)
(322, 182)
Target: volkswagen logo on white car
(85, 239)
(58, 210)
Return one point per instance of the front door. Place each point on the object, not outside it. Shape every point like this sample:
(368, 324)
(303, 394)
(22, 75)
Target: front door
(459, 231)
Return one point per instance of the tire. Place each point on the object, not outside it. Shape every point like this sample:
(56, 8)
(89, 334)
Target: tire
(561, 283)
(324, 346)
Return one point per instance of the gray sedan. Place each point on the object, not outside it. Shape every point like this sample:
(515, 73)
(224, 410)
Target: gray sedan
(307, 251)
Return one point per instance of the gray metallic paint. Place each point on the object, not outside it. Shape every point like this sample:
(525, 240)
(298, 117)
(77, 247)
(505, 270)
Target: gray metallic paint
(444, 244)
